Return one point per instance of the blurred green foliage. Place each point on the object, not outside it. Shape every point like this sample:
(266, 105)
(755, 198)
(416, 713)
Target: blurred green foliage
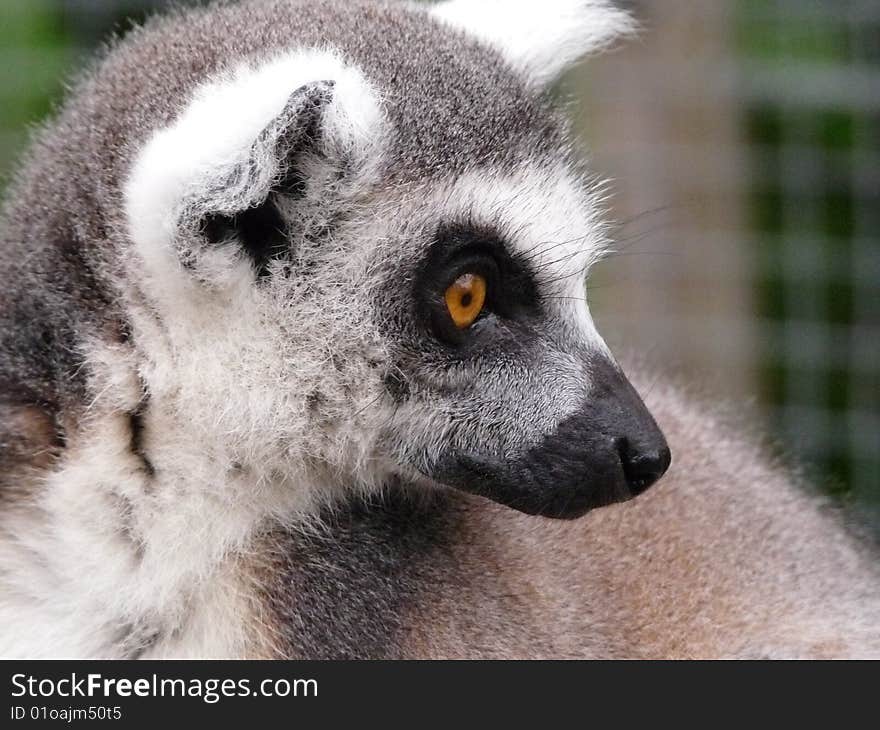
(35, 52)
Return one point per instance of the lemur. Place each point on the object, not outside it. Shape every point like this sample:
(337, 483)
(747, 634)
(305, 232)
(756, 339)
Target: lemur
(296, 361)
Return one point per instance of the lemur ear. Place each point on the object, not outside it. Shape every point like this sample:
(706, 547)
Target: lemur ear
(293, 134)
(240, 204)
(540, 39)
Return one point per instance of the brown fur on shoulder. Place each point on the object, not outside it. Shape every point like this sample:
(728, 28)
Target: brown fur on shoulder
(30, 442)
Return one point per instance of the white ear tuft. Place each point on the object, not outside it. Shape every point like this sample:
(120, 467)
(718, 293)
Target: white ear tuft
(226, 149)
(540, 39)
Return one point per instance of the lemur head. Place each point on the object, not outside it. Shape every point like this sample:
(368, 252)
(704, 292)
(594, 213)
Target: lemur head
(359, 252)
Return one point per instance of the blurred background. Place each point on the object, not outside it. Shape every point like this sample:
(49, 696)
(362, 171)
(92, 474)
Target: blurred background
(743, 141)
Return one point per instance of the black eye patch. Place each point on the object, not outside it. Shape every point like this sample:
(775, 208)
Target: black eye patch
(463, 249)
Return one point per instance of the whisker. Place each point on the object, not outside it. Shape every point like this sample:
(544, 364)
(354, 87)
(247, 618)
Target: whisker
(541, 248)
(645, 214)
(617, 254)
(547, 264)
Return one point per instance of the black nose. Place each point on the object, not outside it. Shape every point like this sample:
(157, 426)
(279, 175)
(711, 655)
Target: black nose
(642, 464)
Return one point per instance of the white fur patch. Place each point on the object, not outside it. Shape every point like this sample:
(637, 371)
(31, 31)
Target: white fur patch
(540, 39)
(216, 132)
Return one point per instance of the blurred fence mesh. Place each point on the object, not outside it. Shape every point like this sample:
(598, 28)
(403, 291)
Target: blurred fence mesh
(811, 120)
(744, 140)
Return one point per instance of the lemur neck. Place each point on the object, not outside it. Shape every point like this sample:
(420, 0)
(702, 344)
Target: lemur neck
(142, 541)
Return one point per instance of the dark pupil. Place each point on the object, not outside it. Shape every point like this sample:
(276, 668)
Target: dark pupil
(466, 299)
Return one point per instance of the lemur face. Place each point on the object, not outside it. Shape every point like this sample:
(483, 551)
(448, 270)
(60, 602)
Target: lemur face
(501, 384)
(375, 269)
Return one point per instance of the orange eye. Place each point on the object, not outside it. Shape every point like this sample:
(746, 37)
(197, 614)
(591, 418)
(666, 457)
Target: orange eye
(465, 299)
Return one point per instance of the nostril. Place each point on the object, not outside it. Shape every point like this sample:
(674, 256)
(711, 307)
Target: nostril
(642, 468)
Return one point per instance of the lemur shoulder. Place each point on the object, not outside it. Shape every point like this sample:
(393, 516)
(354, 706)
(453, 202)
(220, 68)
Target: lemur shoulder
(296, 361)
